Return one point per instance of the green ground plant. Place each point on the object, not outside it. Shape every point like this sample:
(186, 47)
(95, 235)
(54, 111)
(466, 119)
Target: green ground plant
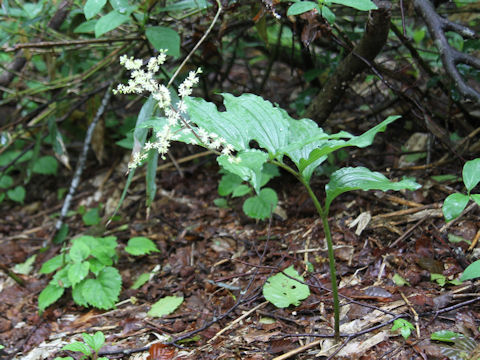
(90, 347)
(454, 205)
(86, 266)
(247, 136)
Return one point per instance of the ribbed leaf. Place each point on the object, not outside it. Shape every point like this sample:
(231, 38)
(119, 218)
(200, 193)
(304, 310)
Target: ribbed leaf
(360, 178)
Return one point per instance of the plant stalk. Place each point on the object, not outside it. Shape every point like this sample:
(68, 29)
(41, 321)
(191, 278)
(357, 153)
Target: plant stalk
(331, 257)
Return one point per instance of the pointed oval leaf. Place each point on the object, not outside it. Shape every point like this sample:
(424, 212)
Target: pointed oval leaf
(52, 264)
(476, 198)
(453, 206)
(282, 291)
(165, 306)
(164, 38)
(140, 245)
(109, 22)
(362, 5)
(49, 295)
(301, 7)
(471, 174)
(471, 272)
(93, 7)
(335, 142)
(360, 178)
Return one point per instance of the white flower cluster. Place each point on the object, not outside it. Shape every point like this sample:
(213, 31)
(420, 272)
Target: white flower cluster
(142, 79)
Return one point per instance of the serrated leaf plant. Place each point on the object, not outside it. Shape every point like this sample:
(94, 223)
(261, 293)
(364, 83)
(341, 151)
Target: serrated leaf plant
(296, 146)
(90, 347)
(454, 204)
(86, 266)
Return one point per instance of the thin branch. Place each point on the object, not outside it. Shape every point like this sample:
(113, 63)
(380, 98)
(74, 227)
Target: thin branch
(437, 26)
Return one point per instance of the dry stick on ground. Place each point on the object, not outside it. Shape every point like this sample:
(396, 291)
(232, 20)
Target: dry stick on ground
(437, 26)
(82, 159)
(372, 42)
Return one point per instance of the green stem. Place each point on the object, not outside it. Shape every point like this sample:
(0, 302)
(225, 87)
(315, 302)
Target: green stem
(328, 236)
(331, 257)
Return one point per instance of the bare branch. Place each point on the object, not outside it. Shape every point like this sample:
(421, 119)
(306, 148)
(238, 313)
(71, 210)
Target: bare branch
(437, 26)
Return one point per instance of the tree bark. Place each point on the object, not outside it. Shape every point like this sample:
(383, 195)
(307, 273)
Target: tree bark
(372, 42)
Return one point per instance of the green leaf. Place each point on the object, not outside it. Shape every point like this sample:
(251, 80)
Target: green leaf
(103, 291)
(471, 272)
(360, 178)
(471, 174)
(455, 239)
(328, 15)
(453, 206)
(247, 117)
(140, 246)
(249, 166)
(151, 176)
(5, 181)
(326, 144)
(445, 336)
(228, 183)
(438, 278)
(109, 22)
(363, 5)
(61, 277)
(77, 294)
(77, 272)
(92, 217)
(221, 203)
(262, 205)
(52, 264)
(142, 279)
(301, 7)
(164, 38)
(86, 27)
(399, 281)
(96, 265)
(476, 198)
(241, 190)
(93, 7)
(78, 347)
(17, 194)
(405, 327)
(49, 295)
(45, 165)
(165, 306)
(79, 251)
(95, 341)
(282, 291)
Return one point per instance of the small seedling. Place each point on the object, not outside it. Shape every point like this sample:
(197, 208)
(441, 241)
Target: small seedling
(90, 347)
(404, 326)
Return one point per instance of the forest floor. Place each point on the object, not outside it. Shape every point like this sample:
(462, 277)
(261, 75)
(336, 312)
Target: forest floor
(387, 246)
(218, 260)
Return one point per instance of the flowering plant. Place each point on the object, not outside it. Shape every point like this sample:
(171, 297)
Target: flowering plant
(142, 79)
(229, 133)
